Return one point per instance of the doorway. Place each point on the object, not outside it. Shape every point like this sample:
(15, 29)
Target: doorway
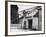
(30, 24)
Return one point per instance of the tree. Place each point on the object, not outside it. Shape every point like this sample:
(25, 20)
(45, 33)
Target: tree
(14, 14)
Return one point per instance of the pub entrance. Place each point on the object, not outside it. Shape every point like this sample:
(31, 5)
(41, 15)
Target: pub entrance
(30, 24)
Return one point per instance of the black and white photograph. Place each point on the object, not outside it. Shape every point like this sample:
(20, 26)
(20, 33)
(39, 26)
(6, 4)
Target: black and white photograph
(25, 18)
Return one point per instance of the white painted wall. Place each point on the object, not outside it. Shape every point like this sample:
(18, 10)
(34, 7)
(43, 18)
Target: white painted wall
(35, 23)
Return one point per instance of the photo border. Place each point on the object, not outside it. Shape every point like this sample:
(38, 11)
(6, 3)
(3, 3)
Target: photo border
(6, 18)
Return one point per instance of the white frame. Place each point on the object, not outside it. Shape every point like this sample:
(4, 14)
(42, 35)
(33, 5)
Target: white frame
(30, 32)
